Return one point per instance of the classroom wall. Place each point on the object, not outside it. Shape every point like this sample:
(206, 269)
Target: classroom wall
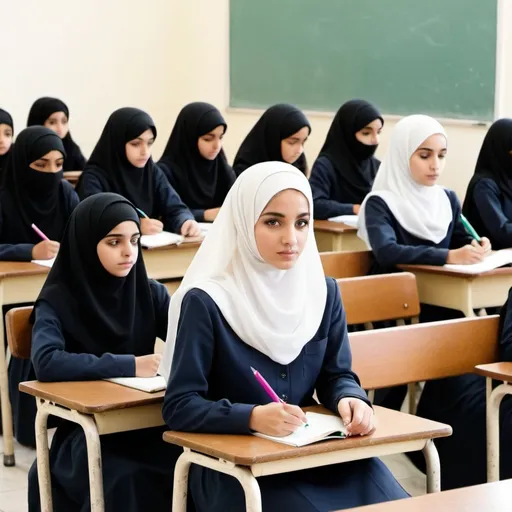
(98, 56)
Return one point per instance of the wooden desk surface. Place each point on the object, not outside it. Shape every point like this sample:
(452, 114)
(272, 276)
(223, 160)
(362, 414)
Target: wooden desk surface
(21, 268)
(246, 450)
(493, 497)
(498, 371)
(188, 243)
(90, 397)
(435, 269)
(333, 227)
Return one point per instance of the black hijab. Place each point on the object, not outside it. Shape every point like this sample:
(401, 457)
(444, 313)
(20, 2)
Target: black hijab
(100, 312)
(108, 161)
(263, 143)
(5, 118)
(41, 110)
(35, 195)
(353, 161)
(200, 183)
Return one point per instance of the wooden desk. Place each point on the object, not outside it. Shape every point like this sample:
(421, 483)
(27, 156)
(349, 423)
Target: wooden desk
(336, 236)
(247, 457)
(493, 497)
(72, 177)
(439, 286)
(99, 407)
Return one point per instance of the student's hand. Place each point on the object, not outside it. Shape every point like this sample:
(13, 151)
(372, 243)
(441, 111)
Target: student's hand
(211, 214)
(147, 366)
(45, 250)
(356, 209)
(466, 255)
(485, 244)
(150, 226)
(357, 416)
(276, 419)
(190, 228)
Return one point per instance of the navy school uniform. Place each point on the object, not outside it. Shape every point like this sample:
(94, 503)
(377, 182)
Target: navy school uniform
(138, 467)
(212, 389)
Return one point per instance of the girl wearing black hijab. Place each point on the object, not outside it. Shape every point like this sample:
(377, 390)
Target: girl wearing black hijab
(6, 135)
(194, 161)
(488, 203)
(121, 163)
(33, 192)
(344, 171)
(54, 114)
(98, 316)
(279, 135)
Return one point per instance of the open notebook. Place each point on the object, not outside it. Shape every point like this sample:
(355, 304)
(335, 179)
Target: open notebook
(205, 227)
(160, 240)
(495, 260)
(45, 263)
(320, 427)
(349, 220)
(147, 384)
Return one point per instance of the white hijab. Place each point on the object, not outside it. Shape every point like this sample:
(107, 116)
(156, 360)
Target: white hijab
(425, 212)
(275, 311)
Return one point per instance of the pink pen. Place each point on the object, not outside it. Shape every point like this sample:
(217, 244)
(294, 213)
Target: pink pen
(266, 386)
(39, 232)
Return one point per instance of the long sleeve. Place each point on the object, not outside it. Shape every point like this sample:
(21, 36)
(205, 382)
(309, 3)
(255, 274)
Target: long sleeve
(52, 363)
(161, 300)
(198, 214)
(383, 240)
(186, 406)
(506, 333)
(174, 213)
(321, 181)
(336, 379)
(88, 185)
(71, 199)
(460, 237)
(13, 252)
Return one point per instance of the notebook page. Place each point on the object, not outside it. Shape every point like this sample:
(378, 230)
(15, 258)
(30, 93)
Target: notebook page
(160, 240)
(45, 263)
(148, 384)
(495, 260)
(349, 220)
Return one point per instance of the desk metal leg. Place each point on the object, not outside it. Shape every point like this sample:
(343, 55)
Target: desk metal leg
(5, 403)
(433, 467)
(242, 474)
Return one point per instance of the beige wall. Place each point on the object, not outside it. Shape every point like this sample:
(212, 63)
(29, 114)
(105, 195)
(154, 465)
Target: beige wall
(158, 56)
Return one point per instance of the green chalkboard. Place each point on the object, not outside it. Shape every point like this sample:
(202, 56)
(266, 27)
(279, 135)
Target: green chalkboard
(436, 57)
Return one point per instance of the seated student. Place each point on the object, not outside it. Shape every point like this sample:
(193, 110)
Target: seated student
(194, 161)
(279, 135)
(256, 295)
(97, 317)
(344, 171)
(488, 203)
(33, 192)
(121, 162)
(460, 402)
(54, 114)
(6, 135)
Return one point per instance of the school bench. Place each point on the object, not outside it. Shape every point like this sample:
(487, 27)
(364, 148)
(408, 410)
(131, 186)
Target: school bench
(346, 264)
(336, 236)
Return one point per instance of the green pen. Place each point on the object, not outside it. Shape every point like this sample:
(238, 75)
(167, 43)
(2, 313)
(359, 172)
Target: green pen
(141, 212)
(469, 228)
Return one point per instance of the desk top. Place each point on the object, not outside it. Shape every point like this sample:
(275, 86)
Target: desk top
(492, 497)
(440, 270)
(498, 371)
(246, 450)
(333, 227)
(91, 397)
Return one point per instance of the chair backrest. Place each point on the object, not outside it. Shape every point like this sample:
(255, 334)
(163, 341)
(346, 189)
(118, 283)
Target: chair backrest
(415, 353)
(381, 297)
(346, 264)
(19, 331)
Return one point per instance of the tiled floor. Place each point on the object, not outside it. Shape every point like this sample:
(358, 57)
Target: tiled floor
(13, 481)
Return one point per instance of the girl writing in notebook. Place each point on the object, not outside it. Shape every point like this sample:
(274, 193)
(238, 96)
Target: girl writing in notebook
(279, 135)
(121, 162)
(194, 161)
(344, 171)
(97, 317)
(32, 192)
(256, 295)
(6, 135)
(54, 114)
(488, 203)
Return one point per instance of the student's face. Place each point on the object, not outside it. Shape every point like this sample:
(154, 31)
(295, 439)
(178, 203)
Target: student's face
(58, 122)
(138, 151)
(209, 145)
(119, 250)
(427, 162)
(282, 229)
(52, 162)
(293, 146)
(370, 134)
(5, 138)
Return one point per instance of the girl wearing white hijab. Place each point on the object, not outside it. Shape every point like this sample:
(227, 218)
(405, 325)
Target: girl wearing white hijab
(255, 295)
(407, 217)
